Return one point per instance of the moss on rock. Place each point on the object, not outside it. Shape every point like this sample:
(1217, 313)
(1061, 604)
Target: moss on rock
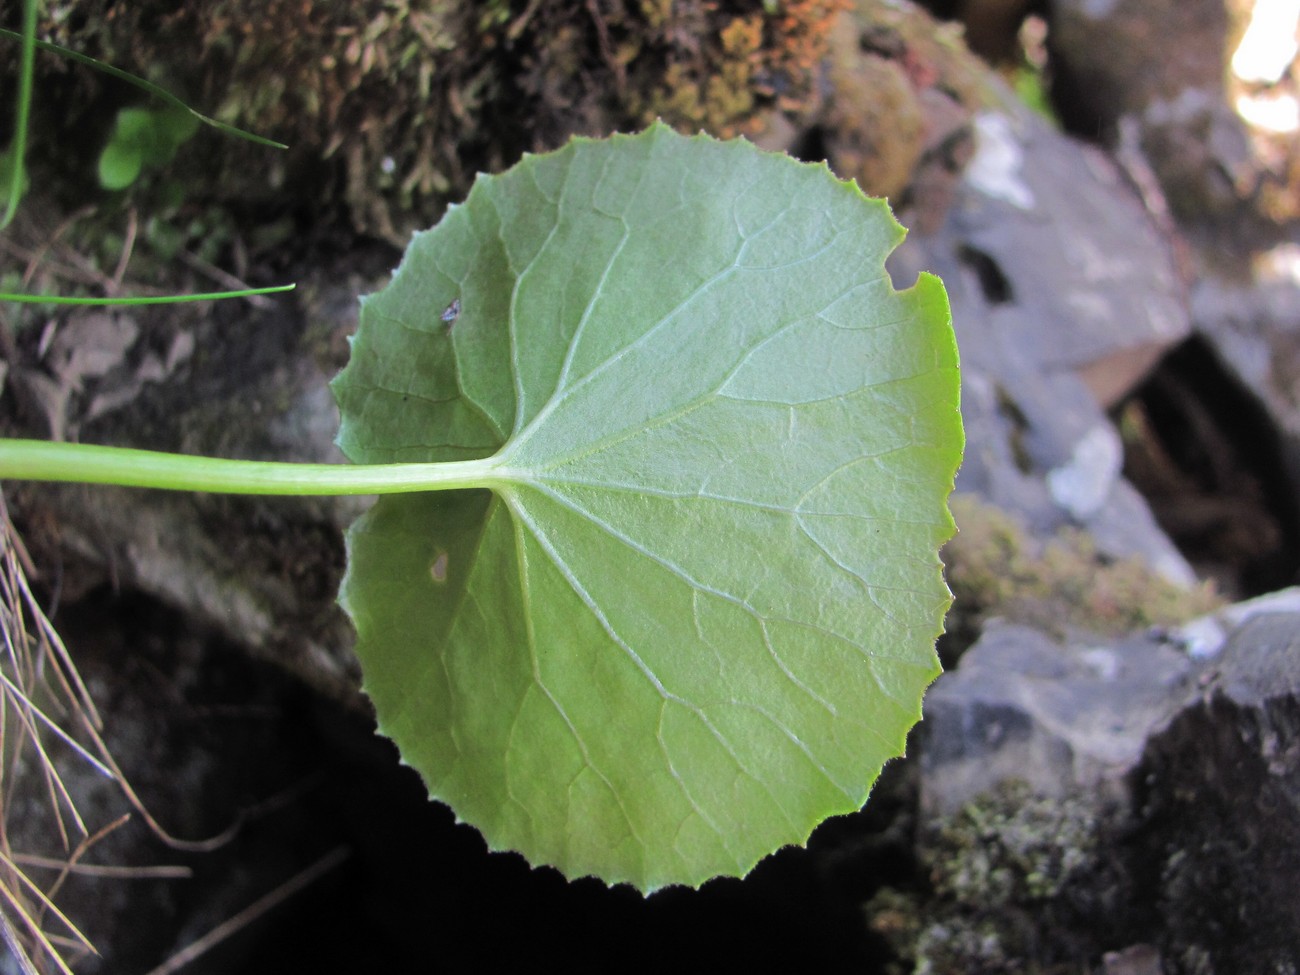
(1016, 882)
(390, 108)
(996, 569)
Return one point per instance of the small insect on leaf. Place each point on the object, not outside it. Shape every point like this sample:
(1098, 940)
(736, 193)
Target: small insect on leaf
(451, 313)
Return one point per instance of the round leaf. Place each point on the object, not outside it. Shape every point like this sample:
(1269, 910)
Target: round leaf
(693, 610)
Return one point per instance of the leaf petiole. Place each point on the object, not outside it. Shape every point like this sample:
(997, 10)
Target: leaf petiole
(40, 460)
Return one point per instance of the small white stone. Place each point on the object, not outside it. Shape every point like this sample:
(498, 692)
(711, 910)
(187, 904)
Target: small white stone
(1082, 484)
(996, 168)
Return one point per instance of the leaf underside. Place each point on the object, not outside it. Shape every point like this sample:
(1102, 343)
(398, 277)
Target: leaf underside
(693, 610)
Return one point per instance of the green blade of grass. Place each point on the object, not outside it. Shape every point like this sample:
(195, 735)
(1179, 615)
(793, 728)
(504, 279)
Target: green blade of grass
(23, 108)
(143, 85)
(152, 300)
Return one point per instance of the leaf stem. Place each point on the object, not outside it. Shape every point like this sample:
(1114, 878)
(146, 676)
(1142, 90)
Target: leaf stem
(40, 460)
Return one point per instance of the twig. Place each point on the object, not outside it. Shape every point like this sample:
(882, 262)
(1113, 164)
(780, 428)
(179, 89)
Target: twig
(255, 910)
(54, 782)
(16, 949)
(63, 736)
(81, 849)
(161, 872)
(31, 923)
(37, 256)
(128, 248)
(190, 846)
(67, 272)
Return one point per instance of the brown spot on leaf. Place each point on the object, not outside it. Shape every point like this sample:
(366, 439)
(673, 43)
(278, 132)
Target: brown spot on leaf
(438, 570)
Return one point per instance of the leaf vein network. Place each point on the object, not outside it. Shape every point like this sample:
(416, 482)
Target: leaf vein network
(516, 370)
(481, 411)
(526, 595)
(700, 495)
(580, 329)
(440, 660)
(777, 334)
(696, 586)
(641, 550)
(364, 387)
(630, 432)
(800, 744)
(667, 696)
(868, 588)
(558, 398)
(787, 265)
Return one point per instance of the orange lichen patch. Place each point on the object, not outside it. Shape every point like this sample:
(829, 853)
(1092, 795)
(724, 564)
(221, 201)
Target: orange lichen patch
(721, 69)
(743, 36)
(805, 26)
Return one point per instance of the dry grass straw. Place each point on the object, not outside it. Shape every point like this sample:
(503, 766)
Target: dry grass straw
(47, 720)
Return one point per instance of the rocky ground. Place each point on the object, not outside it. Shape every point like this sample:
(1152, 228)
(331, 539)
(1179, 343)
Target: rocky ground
(1107, 780)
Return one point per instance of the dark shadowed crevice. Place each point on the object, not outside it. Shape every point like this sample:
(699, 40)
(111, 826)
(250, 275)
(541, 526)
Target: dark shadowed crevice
(994, 284)
(1210, 462)
(810, 146)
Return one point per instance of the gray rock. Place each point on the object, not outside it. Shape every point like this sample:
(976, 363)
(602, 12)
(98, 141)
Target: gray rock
(1178, 778)
(1206, 637)
(263, 571)
(1121, 55)
(1071, 267)
(1161, 64)
(1217, 795)
(1064, 295)
(1060, 257)
(1153, 79)
(1062, 716)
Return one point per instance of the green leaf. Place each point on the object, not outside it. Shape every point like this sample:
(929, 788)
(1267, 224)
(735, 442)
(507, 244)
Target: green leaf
(142, 137)
(693, 610)
(119, 164)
